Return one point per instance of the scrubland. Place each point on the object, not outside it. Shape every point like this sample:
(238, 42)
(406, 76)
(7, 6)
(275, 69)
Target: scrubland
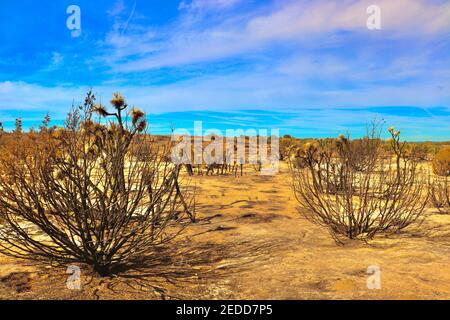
(250, 242)
(104, 197)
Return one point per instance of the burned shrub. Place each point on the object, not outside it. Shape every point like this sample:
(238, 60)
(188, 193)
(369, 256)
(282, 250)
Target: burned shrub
(440, 194)
(79, 195)
(358, 198)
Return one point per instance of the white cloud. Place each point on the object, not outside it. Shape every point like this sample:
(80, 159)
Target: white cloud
(26, 96)
(399, 17)
(117, 8)
(267, 89)
(207, 4)
(57, 59)
(309, 23)
(320, 113)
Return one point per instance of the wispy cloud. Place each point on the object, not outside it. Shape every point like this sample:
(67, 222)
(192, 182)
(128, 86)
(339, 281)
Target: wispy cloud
(57, 59)
(207, 4)
(417, 123)
(304, 22)
(117, 9)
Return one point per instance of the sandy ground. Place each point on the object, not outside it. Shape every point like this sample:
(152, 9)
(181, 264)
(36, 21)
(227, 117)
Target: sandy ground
(252, 243)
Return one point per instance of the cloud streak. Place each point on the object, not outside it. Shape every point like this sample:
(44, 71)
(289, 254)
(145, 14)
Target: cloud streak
(307, 23)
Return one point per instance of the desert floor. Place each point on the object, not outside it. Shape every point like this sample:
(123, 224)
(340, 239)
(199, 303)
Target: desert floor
(252, 243)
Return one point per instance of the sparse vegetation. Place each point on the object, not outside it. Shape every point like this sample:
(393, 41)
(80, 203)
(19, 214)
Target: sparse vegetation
(77, 194)
(440, 194)
(440, 186)
(353, 189)
(441, 162)
(100, 191)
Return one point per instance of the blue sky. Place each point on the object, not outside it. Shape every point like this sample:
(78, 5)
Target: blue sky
(310, 68)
